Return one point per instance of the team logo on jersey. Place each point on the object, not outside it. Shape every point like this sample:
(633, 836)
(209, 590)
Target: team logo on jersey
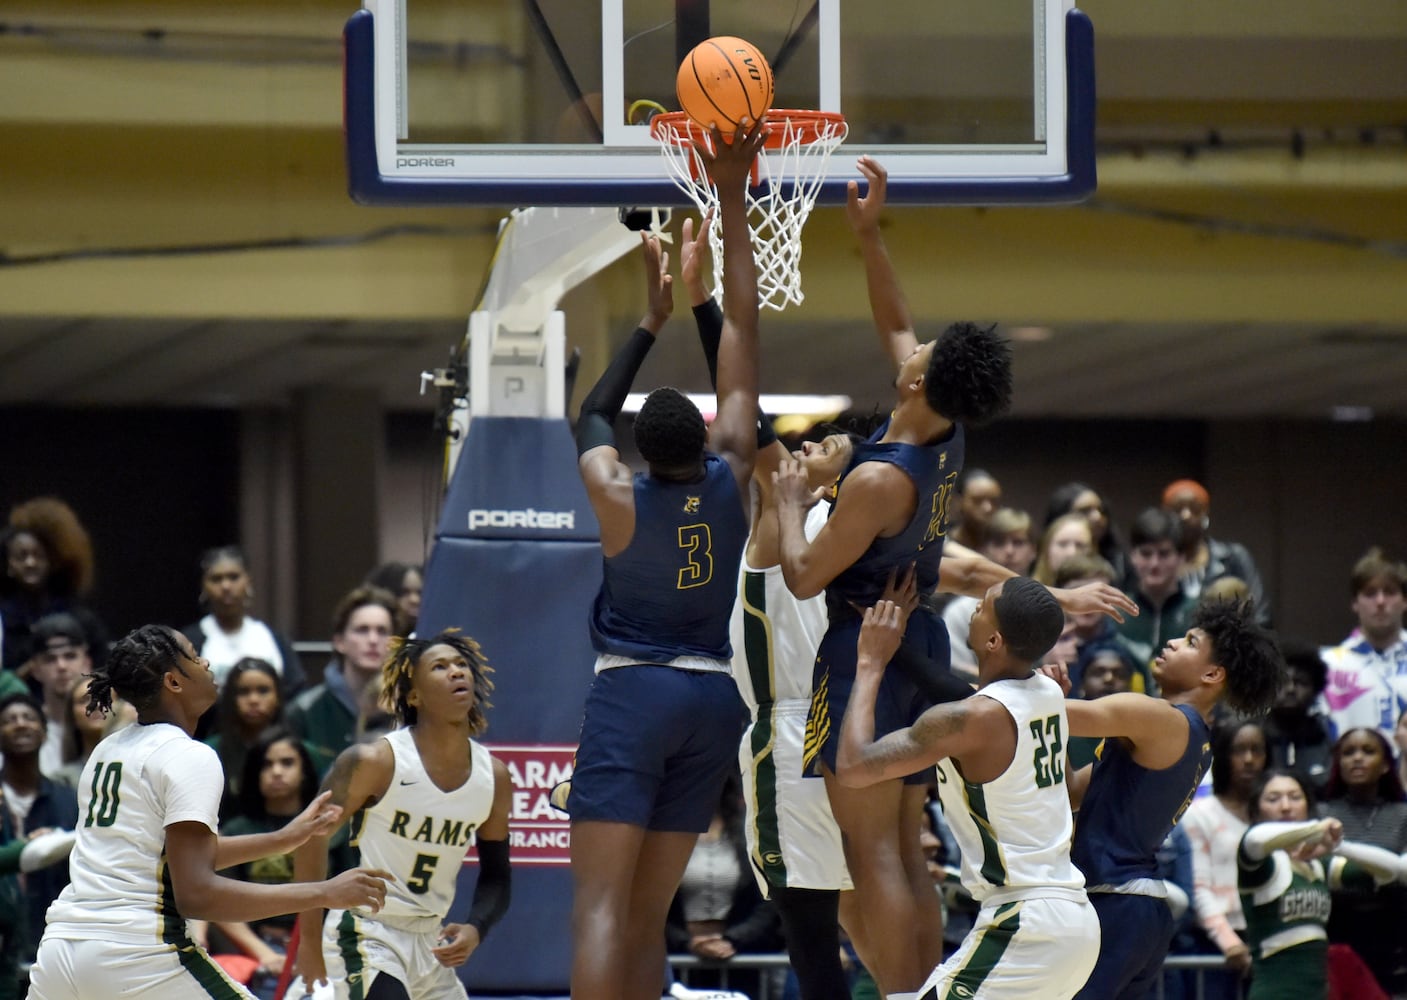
(691, 504)
(942, 460)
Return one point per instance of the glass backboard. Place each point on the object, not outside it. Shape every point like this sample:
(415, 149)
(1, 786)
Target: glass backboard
(547, 102)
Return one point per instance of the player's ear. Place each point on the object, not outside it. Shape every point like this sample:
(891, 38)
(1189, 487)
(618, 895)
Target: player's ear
(1214, 674)
(171, 681)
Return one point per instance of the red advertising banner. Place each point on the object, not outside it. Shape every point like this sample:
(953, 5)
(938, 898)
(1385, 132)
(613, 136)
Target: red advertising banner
(538, 834)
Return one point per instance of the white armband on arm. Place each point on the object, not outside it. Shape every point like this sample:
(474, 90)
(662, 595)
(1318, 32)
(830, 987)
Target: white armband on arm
(1264, 839)
(1381, 863)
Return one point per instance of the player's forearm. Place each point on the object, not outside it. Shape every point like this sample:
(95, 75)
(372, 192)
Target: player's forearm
(737, 348)
(225, 900)
(244, 938)
(888, 306)
(970, 575)
(797, 566)
(231, 851)
(857, 730)
(310, 865)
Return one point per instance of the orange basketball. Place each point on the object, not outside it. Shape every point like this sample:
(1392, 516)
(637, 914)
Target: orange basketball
(724, 80)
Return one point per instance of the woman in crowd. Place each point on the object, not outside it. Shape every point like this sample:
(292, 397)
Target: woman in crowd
(1215, 824)
(228, 633)
(1364, 793)
(1079, 498)
(1067, 535)
(1285, 887)
(278, 781)
(48, 568)
(251, 703)
(406, 583)
(83, 730)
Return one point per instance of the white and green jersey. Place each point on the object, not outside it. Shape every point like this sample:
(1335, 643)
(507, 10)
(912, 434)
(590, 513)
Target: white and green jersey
(421, 833)
(1014, 832)
(137, 782)
(1287, 902)
(775, 634)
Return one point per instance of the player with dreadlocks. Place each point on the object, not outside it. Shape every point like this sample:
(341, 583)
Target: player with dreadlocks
(419, 796)
(147, 851)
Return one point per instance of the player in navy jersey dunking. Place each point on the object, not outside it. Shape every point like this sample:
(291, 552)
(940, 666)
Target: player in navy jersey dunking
(663, 717)
(891, 511)
(1152, 759)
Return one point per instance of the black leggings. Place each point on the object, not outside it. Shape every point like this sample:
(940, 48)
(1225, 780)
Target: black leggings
(386, 988)
(811, 921)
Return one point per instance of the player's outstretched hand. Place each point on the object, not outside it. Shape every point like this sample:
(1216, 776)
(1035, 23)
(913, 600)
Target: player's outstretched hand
(659, 283)
(864, 213)
(902, 589)
(880, 635)
(1059, 673)
(364, 888)
(792, 488)
(1103, 598)
(310, 964)
(692, 252)
(730, 163)
(455, 944)
(318, 820)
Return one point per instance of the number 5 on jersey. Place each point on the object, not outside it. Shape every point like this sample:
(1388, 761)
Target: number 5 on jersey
(102, 806)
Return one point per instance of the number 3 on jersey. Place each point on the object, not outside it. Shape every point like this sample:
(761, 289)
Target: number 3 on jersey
(697, 543)
(1049, 758)
(102, 806)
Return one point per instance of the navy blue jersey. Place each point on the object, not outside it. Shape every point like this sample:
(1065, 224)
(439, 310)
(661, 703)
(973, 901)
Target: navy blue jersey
(670, 592)
(934, 470)
(1129, 809)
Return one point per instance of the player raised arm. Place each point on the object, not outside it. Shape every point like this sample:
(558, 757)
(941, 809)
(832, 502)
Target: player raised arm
(608, 480)
(733, 434)
(1155, 731)
(319, 819)
(494, 888)
(359, 777)
(964, 571)
(892, 320)
(942, 731)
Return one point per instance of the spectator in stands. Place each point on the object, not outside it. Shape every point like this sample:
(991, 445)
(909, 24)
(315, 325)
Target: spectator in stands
(1364, 793)
(1367, 683)
(84, 730)
(1067, 535)
(278, 780)
(251, 703)
(1165, 610)
(1076, 571)
(48, 569)
(1214, 825)
(1205, 559)
(229, 633)
(343, 708)
(1296, 732)
(1399, 736)
(979, 496)
(406, 583)
(61, 656)
(1082, 499)
(1102, 667)
(719, 911)
(1009, 545)
(32, 803)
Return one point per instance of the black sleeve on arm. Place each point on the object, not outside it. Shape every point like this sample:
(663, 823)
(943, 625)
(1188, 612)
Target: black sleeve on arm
(709, 319)
(602, 404)
(494, 888)
(937, 683)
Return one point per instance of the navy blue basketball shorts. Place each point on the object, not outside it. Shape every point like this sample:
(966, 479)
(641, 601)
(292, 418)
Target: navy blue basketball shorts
(657, 744)
(899, 703)
(1136, 933)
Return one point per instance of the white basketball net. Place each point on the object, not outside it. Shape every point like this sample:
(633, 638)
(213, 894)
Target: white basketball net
(798, 150)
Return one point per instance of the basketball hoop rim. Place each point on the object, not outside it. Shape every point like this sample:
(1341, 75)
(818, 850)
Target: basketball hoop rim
(803, 126)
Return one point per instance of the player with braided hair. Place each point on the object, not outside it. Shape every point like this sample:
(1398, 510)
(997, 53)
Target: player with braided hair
(421, 795)
(147, 851)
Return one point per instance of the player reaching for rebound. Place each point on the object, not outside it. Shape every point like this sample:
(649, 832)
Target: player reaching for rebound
(792, 837)
(1149, 766)
(420, 795)
(147, 851)
(1001, 778)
